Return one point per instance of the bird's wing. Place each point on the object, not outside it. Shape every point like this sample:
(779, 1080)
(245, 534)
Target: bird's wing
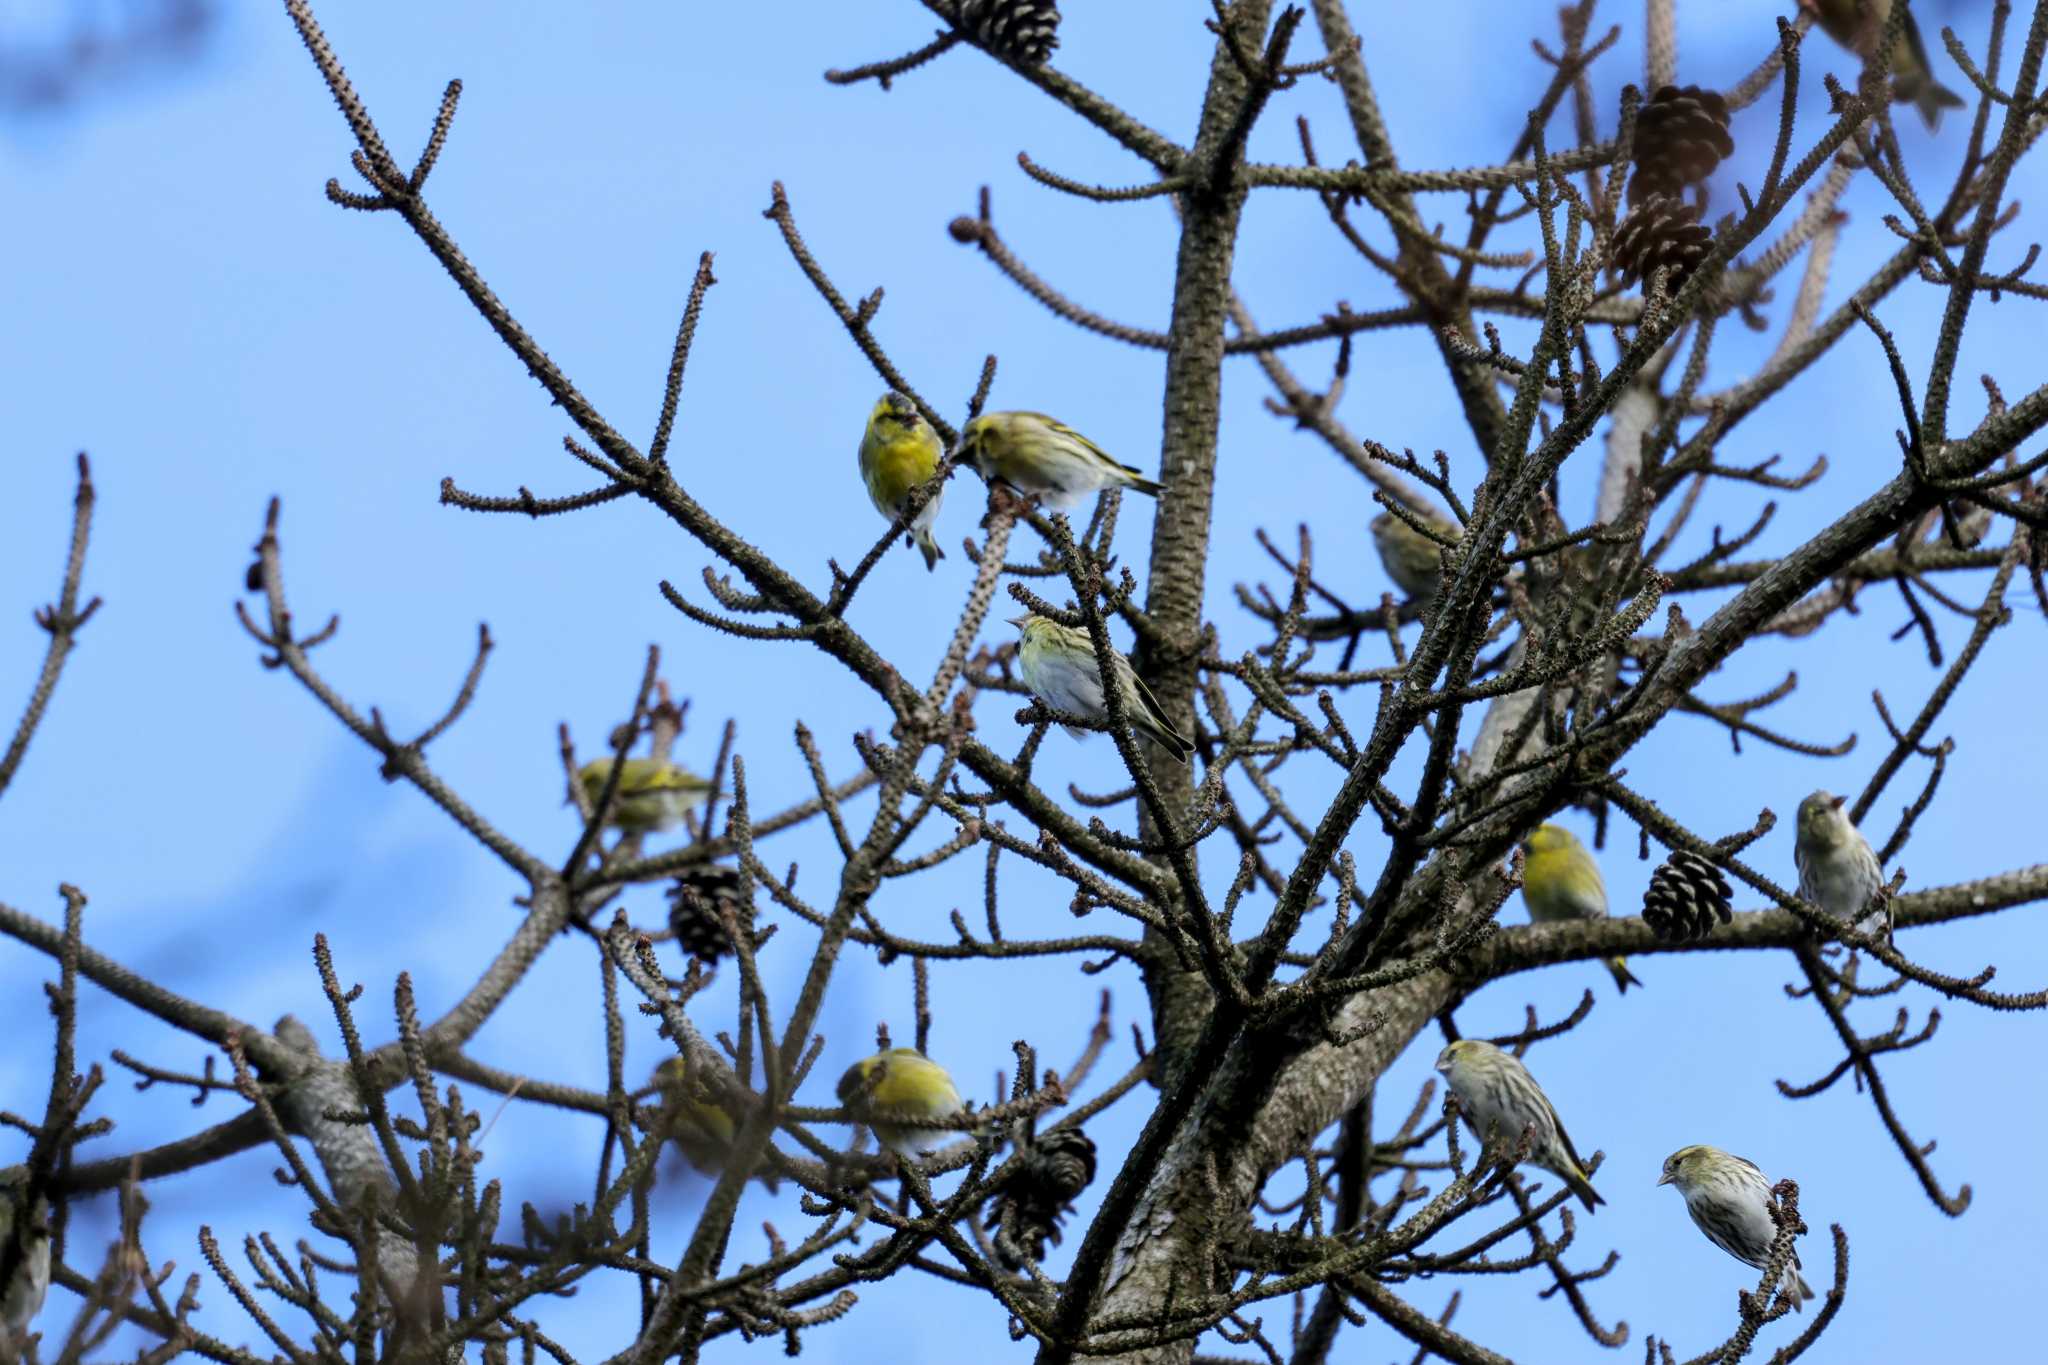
(1564, 1139)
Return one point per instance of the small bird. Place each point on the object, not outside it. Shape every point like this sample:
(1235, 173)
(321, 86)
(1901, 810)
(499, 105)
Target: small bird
(902, 1083)
(652, 794)
(1858, 25)
(1409, 557)
(899, 452)
(1501, 1101)
(1837, 869)
(1058, 665)
(1731, 1201)
(692, 1117)
(1044, 458)
(1561, 881)
(21, 1298)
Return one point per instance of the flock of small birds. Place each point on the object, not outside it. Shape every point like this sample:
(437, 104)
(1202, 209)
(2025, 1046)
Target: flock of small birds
(912, 1104)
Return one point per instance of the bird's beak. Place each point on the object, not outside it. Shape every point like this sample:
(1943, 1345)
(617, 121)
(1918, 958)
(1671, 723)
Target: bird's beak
(1840, 801)
(1018, 621)
(1664, 1179)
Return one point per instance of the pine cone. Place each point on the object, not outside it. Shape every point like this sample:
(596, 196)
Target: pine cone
(1023, 30)
(1686, 893)
(696, 901)
(1661, 231)
(1050, 1172)
(1681, 135)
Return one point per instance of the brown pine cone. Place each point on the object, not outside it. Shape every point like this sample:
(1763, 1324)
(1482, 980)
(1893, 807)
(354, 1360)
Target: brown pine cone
(1661, 231)
(695, 903)
(1687, 893)
(1681, 135)
(1050, 1172)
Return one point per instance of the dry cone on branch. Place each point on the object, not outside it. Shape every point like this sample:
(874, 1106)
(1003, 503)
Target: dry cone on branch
(1661, 231)
(1687, 894)
(698, 901)
(1022, 30)
(1050, 1172)
(1681, 136)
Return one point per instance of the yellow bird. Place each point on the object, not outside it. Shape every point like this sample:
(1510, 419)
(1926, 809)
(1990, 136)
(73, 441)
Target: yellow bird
(902, 1083)
(900, 452)
(652, 795)
(692, 1117)
(1560, 881)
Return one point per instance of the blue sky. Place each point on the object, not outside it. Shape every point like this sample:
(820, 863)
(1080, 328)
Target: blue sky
(188, 307)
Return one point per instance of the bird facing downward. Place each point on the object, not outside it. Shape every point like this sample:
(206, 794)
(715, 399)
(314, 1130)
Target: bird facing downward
(1044, 458)
(1502, 1101)
(902, 1083)
(1731, 1201)
(1058, 664)
(900, 452)
(1838, 871)
(1560, 881)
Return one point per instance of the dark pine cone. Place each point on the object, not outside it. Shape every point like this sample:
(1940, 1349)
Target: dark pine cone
(1050, 1172)
(1661, 231)
(695, 903)
(1023, 30)
(1686, 893)
(1681, 135)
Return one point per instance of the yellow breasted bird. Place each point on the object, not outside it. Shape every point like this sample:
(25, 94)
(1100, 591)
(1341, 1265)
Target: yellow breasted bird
(1561, 881)
(902, 1083)
(900, 451)
(692, 1116)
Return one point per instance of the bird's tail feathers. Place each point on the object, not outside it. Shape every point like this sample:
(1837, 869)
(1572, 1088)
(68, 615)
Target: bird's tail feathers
(1582, 1187)
(1623, 977)
(929, 548)
(1926, 95)
(1139, 483)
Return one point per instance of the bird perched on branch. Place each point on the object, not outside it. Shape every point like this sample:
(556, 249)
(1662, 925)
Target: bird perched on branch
(900, 1084)
(1859, 26)
(1044, 458)
(1838, 871)
(1410, 557)
(652, 793)
(1058, 665)
(692, 1116)
(900, 452)
(1731, 1201)
(1502, 1102)
(1560, 881)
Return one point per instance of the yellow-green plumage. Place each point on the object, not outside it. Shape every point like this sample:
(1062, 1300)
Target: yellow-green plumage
(652, 795)
(692, 1116)
(1044, 458)
(1058, 664)
(899, 452)
(1409, 557)
(901, 1083)
(1560, 881)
